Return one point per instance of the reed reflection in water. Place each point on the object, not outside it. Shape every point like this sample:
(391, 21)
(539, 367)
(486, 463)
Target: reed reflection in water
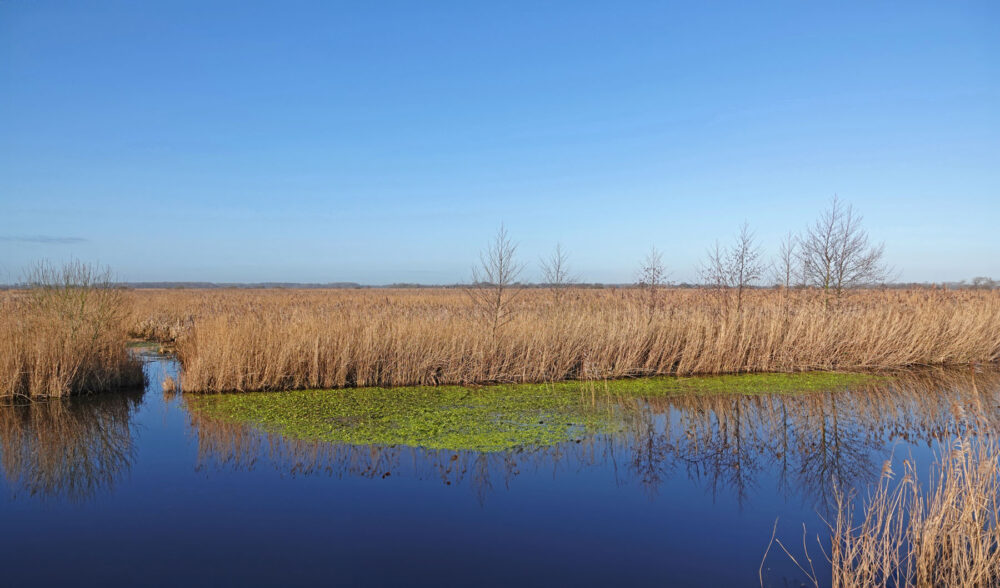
(69, 448)
(725, 443)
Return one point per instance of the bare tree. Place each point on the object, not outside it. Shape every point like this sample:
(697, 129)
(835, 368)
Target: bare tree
(736, 268)
(983, 283)
(556, 272)
(652, 278)
(785, 269)
(836, 255)
(494, 278)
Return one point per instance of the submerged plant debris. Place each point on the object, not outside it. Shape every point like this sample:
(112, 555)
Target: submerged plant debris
(486, 418)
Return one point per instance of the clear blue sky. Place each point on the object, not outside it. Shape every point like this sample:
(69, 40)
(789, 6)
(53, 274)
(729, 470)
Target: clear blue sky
(380, 142)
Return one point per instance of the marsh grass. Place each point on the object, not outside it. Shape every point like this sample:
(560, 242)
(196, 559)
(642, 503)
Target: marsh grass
(281, 340)
(66, 334)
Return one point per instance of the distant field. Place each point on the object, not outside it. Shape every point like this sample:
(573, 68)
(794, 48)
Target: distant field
(242, 340)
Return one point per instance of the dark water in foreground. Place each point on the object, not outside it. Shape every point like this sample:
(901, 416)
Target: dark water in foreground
(134, 490)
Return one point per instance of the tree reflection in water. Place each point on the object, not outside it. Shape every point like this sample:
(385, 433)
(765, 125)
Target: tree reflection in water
(727, 443)
(69, 448)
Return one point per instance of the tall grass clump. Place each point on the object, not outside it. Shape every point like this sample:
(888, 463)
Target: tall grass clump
(66, 333)
(946, 534)
(278, 340)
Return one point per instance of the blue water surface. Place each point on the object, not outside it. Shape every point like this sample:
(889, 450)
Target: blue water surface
(134, 490)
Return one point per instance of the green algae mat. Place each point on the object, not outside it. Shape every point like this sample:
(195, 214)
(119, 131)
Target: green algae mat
(482, 418)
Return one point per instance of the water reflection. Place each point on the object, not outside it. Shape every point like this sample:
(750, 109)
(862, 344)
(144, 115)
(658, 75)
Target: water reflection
(732, 444)
(807, 441)
(69, 448)
(236, 446)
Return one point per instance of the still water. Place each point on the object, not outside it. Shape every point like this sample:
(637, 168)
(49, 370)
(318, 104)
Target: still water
(138, 490)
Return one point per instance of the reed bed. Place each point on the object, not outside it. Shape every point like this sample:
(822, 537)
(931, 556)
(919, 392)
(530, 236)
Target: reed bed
(66, 335)
(239, 340)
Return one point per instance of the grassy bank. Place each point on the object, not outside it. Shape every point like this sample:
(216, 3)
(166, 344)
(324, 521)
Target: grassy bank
(285, 340)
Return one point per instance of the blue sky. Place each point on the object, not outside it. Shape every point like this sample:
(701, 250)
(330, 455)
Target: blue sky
(380, 142)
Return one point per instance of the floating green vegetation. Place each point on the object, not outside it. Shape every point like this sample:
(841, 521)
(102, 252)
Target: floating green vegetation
(487, 418)
(761, 383)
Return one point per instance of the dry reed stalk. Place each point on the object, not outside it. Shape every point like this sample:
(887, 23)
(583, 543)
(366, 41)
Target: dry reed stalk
(169, 386)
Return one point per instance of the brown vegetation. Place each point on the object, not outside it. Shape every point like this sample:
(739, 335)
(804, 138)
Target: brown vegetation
(946, 535)
(169, 386)
(65, 334)
(274, 340)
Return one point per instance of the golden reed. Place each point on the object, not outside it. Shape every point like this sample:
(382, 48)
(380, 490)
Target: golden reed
(68, 334)
(944, 535)
(239, 340)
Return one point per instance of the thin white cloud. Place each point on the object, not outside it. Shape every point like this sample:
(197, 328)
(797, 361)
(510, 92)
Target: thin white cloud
(42, 239)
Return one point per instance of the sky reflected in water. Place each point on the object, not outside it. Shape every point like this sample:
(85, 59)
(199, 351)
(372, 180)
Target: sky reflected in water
(136, 489)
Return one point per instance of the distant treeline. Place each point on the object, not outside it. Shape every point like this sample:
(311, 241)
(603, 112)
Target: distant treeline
(246, 285)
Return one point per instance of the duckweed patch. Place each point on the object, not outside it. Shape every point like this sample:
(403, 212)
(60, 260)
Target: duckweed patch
(487, 418)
